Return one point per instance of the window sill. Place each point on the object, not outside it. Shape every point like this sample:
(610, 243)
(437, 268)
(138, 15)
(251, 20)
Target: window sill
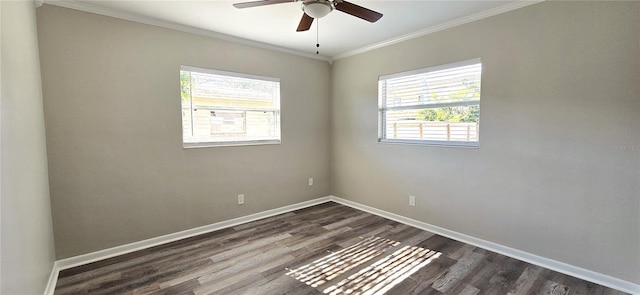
(193, 145)
(434, 143)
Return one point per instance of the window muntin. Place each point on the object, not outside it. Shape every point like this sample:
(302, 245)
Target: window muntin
(224, 108)
(438, 105)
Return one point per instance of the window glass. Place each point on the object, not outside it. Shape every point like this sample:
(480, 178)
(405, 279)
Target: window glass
(437, 105)
(224, 108)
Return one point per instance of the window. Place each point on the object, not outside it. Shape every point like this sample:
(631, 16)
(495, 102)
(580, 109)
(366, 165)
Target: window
(438, 105)
(222, 108)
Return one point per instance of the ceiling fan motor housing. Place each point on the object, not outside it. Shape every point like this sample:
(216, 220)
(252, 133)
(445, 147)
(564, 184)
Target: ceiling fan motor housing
(317, 8)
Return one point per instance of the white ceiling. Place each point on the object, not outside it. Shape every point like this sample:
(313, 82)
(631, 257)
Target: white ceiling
(274, 26)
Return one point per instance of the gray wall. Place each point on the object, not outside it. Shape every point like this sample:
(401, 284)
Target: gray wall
(118, 172)
(558, 169)
(557, 173)
(27, 236)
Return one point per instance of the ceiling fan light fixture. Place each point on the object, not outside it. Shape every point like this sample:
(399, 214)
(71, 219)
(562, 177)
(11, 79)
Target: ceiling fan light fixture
(317, 8)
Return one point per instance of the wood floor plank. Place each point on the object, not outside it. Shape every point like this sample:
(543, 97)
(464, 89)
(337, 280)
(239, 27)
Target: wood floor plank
(528, 280)
(323, 249)
(553, 288)
(458, 272)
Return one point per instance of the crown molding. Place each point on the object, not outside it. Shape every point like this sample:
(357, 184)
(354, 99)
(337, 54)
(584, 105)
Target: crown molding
(88, 7)
(450, 24)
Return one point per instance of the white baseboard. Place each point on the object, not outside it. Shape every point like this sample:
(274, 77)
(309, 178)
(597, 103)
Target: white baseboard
(561, 267)
(144, 244)
(53, 279)
(551, 264)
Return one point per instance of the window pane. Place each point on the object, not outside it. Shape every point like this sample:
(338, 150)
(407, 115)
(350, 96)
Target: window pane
(432, 87)
(458, 123)
(233, 92)
(227, 108)
(440, 104)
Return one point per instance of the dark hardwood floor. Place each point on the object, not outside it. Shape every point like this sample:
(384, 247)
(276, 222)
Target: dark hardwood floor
(324, 249)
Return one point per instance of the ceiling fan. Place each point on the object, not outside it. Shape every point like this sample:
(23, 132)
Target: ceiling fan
(319, 8)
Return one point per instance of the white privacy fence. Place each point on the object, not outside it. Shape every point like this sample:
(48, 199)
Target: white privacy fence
(428, 130)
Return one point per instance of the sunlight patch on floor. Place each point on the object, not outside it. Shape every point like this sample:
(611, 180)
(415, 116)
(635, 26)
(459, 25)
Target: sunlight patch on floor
(328, 267)
(375, 279)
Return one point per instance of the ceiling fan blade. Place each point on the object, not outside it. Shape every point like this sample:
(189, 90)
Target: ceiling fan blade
(358, 11)
(259, 3)
(305, 23)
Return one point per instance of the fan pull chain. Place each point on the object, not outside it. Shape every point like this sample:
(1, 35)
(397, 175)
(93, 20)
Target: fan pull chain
(317, 34)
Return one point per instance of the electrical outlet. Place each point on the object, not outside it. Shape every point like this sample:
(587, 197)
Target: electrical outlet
(241, 199)
(310, 181)
(412, 200)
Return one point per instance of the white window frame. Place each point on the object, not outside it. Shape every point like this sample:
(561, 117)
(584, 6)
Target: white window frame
(382, 110)
(239, 142)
